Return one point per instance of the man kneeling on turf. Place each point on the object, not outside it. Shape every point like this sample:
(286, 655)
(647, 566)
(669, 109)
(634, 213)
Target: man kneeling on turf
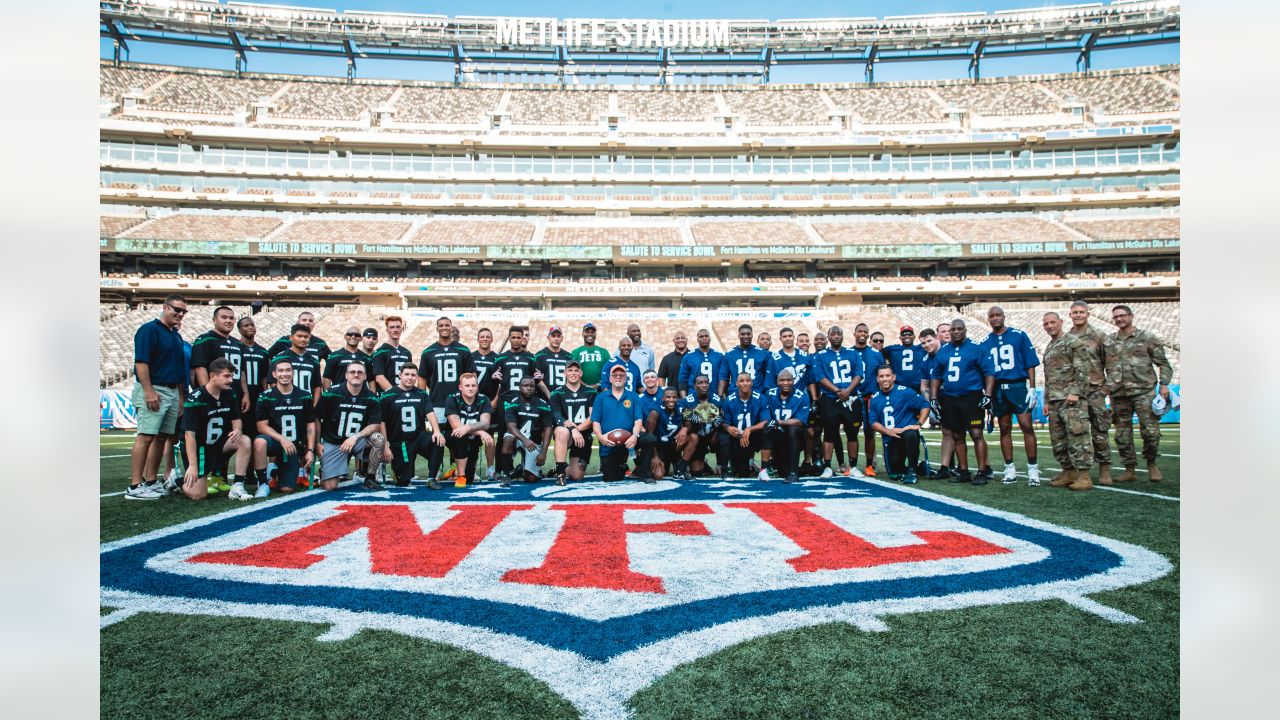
(407, 416)
(528, 417)
(897, 412)
(571, 406)
(664, 425)
(286, 415)
(468, 414)
(211, 431)
(350, 421)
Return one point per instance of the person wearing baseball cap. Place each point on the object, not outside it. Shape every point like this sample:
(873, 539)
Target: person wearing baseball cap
(907, 360)
(591, 357)
(551, 362)
(619, 408)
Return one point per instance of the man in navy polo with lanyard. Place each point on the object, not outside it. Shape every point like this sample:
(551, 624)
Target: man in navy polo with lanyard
(161, 371)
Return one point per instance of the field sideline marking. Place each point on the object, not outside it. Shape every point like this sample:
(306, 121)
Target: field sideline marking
(1096, 608)
(114, 617)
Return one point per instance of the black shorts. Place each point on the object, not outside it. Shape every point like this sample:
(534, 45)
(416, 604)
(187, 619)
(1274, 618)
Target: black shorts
(666, 452)
(463, 447)
(583, 453)
(210, 459)
(404, 455)
(961, 412)
(838, 412)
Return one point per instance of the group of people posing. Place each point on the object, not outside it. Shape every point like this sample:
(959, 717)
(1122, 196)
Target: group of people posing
(764, 412)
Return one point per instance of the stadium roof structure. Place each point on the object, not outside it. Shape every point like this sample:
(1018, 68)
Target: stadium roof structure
(570, 49)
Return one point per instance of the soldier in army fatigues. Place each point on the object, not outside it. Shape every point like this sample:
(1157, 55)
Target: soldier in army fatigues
(1066, 380)
(1095, 395)
(1130, 354)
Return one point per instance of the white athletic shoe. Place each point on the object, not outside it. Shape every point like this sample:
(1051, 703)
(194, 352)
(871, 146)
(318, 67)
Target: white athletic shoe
(238, 492)
(1033, 475)
(764, 475)
(826, 472)
(157, 486)
(263, 490)
(856, 473)
(1010, 474)
(141, 491)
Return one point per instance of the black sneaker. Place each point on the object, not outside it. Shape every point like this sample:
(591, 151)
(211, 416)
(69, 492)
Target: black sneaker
(560, 477)
(504, 480)
(959, 477)
(724, 474)
(371, 483)
(433, 484)
(790, 478)
(979, 479)
(944, 473)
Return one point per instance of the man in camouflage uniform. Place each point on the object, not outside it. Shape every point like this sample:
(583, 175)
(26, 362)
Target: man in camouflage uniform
(1130, 354)
(1095, 395)
(1066, 380)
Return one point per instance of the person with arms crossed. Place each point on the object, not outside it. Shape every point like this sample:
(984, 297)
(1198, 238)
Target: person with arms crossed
(161, 373)
(469, 414)
(529, 423)
(963, 378)
(571, 412)
(702, 360)
(1095, 396)
(211, 431)
(837, 374)
(407, 414)
(1066, 378)
(1131, 355)
(1015, 363)
(872, 358)
(669, 367)
(745, 358)
(442, 363)
(350, 423)
(787, 409)
(739, 438)
(897, 412)
(286, 431)
(591, 357)
(618, 408)
(642, 353)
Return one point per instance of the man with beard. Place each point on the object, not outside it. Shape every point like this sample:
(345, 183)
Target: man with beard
(591, 357)
(442, 363)
(624, 361)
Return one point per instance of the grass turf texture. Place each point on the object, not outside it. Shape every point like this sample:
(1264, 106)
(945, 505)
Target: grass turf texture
(1044, 659)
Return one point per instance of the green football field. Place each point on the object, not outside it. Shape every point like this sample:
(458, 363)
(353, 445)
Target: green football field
(1044, 659)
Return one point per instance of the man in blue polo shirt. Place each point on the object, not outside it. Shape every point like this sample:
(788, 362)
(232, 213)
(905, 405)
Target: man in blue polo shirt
(619, 408)
(898, 412)
(1015, 362)
(161, 372)
(961, 390)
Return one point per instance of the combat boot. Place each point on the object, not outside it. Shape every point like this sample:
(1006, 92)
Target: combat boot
(1129, 475)
(1082, 481)
(1153, 472)
(1104, 473)
(1063, 479)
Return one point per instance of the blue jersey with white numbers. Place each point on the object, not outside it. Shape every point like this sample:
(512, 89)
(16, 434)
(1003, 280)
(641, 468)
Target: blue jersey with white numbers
(908, 364)
(691, 400)
(840, 367)
(752, 361)
(798, 361)
(633, 373)
(796, 407)
(744, 413)
(1011, 354)
(695, 363)
(961, 368)
(871, 361)
(669, 424)
(900, 408)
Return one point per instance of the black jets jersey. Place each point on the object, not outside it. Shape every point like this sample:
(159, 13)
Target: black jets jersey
(209, 417)
(404, 413)
(211, 346)
(343, 415)
(552, 365)
(388, 360)
(306, 369)
(440, 368)
(514, 367)
(529, 416)
(288, 414)
(335, 368)
(468, 414)
(573, 405)
(253, 365)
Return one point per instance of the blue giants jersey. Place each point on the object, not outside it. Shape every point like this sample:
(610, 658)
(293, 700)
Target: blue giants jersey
(840, 367)
(633, 373)
(795, 407)
(1011, 354)
(961, 368)
(669, 424)
(900, 408)
(649, 403)
(695, 363)
(752, 361)
(798, 362)
(908, 364)
(871, 361)
(744, 413)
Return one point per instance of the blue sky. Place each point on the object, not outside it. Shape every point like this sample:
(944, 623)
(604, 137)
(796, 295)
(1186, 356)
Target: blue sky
(742, 9)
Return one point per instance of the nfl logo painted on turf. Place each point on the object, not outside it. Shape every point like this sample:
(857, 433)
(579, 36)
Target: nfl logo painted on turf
(599, 589)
